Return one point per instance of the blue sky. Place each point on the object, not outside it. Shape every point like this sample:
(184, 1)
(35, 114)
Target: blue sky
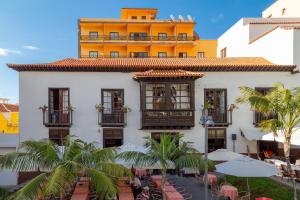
(45, 30)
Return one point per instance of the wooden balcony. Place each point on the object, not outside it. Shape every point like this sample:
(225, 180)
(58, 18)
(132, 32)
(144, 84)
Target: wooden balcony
(57, 118)
(115, 119)
(166, 119)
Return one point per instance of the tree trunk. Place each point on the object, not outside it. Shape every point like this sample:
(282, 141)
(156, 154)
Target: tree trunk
(163, 182)
(287, 148)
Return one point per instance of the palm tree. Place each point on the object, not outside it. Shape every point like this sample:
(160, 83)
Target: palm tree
(165, 153)
(59, 167)
(283, 102)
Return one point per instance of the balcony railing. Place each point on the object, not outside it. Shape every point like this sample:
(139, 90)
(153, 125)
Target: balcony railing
(57, 118)
(118, 119)
(220, 118)
(103, 38)
(107, 56)
(167, 119)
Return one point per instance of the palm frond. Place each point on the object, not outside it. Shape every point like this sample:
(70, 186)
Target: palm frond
(59, 179)
(31, 190)
(102, 184)
(19, 161)
(114, 170)
(192, 161)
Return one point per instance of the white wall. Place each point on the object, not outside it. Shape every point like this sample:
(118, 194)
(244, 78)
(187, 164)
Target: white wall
(85, 91)
(280, 46)
(291, 9)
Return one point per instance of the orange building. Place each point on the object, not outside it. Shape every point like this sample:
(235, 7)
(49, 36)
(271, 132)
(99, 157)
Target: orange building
(138, 33)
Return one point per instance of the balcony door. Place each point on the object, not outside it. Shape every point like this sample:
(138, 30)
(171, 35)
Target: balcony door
(217, 101)
(112, 101)
(59, 102)
(112, 137)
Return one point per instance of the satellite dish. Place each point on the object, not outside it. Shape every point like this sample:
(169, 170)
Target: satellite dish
(180, 17)
(172, 17)
(190, 18)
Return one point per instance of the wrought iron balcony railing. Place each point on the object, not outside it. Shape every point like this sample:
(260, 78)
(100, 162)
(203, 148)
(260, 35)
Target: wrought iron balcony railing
(102, 38)
(116, 118)
(57, 118)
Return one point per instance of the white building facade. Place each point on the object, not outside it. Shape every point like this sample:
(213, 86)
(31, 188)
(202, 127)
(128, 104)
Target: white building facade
(160, 101)
(282, 8)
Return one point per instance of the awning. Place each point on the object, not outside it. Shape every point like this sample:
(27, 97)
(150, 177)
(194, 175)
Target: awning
(295, 139)
(252, 134)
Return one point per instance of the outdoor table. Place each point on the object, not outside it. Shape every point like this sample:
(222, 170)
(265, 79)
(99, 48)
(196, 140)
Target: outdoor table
(80, 196)
(125, 189)
(211, 178)
(169, 188)
(140, 172)
(229, 191)
(173, 196)
(126, 196)
(158, 183)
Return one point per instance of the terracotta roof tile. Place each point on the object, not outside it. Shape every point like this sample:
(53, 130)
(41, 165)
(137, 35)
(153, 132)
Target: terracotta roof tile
(144, 64)
(8, 107)
(167, 74)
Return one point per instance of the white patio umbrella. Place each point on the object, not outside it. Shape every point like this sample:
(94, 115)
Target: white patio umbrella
(223, 155)
(247, 167)
(295, 139)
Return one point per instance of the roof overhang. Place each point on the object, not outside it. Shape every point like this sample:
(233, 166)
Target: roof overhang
(145, 64)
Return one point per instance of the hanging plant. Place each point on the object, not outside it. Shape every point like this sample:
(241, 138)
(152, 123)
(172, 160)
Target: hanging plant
(43, 108)
(125, 109)
(70, 108)
(99, 107)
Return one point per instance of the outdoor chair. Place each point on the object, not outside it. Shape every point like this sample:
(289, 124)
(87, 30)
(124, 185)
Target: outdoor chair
(245, 195)
(285, 172)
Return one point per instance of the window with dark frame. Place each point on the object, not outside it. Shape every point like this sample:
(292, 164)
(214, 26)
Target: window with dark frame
(217, 101)
(224, 52)
(133, 17)
(216, 139)
(112, 100)
(138, 54)
(161, 96)
(93, 35)
(93, 54)
(182, 54)
(201, 54)
(114, 35)
(112, 137)
(162, 54)
(162, 36)
(180, 96)
(182, 36)
(114, 54)
(138, 36)
(155, 96)
(58, 136)
(59, 102)
(143, 18)
(258, 116)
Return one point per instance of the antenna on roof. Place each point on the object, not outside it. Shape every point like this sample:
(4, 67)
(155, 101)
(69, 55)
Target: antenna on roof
(190, 18)
(180, 17)
(172, 17)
